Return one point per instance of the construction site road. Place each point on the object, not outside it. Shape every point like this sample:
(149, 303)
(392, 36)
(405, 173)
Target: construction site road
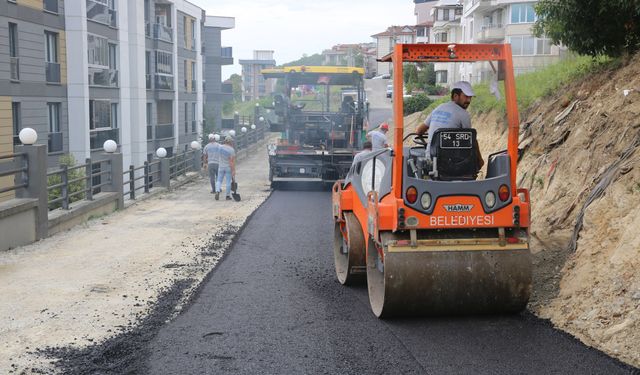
(274, 306)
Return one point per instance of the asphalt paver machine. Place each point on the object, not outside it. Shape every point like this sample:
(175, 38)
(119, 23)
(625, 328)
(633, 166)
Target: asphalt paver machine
(321, 124)
(426, 235)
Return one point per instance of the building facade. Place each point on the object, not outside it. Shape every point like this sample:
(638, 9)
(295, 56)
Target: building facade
(386, 41)
(131, 71)
(424, 19)
(216, 93)
(254, 86)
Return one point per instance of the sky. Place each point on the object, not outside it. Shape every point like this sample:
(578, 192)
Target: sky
(294, 28)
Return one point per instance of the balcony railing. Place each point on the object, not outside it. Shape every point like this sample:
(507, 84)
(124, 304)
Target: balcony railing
(103, 77)
(226, 51)
(164, 82)
(99, 12)
(15, 68)
(50, 5)
(52, 72)
(163, 32)
(490, 33)
(164, 131)
(149, 132)
(55, 142)
(98, 137)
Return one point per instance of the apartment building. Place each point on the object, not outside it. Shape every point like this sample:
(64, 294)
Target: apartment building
(447, 15)
(33, 73)
(424, 19)
(386, 41)
(361, 54)
(215, 56)
(131, 71)
(254, 86)
(506, 21)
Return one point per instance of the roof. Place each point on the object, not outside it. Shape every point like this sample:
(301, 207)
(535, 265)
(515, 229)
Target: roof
(397, 30)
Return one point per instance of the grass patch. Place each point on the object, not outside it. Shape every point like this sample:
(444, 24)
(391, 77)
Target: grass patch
(533, 86)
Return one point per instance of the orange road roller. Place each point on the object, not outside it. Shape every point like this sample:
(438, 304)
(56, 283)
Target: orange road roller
(413, 221)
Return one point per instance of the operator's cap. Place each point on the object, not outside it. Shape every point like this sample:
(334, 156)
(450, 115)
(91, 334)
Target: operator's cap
(465, 87)
(384, 126)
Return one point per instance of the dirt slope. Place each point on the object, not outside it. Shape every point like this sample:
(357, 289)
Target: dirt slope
(582, 165)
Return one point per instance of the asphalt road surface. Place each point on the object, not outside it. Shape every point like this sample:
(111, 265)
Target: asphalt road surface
(274, 306)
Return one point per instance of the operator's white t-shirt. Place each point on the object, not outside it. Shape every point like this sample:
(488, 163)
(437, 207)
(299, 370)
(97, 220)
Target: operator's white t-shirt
(378, 139)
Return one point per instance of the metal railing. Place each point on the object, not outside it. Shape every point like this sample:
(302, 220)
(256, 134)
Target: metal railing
(180, 164)
(151, 173)
(71, 184)
(164, 131)
(52, 71)
(54, 142)
(11, 165)
(162, 32)
(14, 63)
(164, 82)
(98, 137)
(50, 5)
(100, 12)
(104, 77)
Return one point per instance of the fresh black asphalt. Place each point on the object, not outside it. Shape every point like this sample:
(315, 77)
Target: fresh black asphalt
(274, 306)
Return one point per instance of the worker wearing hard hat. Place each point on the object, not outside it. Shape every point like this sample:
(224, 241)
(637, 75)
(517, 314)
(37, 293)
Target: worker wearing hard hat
(378, 138)
(452, 114)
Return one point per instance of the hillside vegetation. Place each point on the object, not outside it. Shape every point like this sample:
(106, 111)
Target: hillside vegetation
(580, 132)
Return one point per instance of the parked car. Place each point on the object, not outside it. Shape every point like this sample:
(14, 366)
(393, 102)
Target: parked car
(382, 76)
(389, 90)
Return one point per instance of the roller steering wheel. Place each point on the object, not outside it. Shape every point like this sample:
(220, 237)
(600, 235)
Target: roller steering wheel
(419, 139)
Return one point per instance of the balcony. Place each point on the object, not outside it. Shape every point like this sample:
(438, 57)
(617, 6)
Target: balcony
(164, 131)
(52, 71)
(490, 33)
(50, 6)
(54, 142)
(164, 82)
(103, 77)
(98, 137)
(162, 32)
(14, 62)
(149, 80)
(99, 12)
(471, 6)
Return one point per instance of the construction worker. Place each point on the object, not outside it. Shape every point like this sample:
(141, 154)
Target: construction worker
(452, 114)
(366, 149)
(210, 156)
(226, 167)
(378, 138)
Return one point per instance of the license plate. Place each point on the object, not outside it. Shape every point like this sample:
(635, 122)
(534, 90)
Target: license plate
(302, 171)
(456, 140)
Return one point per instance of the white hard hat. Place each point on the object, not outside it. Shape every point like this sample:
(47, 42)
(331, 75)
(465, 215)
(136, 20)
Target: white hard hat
(465, 87)
(211, 136)
(217, 137)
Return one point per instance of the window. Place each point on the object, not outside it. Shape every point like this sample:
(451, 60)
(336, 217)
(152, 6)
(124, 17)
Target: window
(458, 11)
(149, 113)
(193, 34)
(99, 114)
(522, 45)
(53, 115)
(113, 56)
(185, 75)
(98, 49)
(114, 115)
(147, 62)
(523, 13)
(471, 30)
(15, 114)
(51, 47)
(164, 63)
(193, 76)
(13, 40)
(441, 37)
(543, 46)
(441, 76)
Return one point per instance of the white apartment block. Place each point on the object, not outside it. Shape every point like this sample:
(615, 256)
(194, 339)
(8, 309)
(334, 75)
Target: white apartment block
(489, 21)
(386, 41)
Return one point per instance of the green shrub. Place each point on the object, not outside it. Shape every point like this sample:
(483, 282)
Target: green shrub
(416, 103)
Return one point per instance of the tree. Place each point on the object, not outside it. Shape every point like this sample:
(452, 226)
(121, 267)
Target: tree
(591, 27)
(236, 87)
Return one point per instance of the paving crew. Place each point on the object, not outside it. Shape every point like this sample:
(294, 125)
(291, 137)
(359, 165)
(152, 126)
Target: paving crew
(452, 114)
(378, 138)
(226, 167)
(211, 156)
